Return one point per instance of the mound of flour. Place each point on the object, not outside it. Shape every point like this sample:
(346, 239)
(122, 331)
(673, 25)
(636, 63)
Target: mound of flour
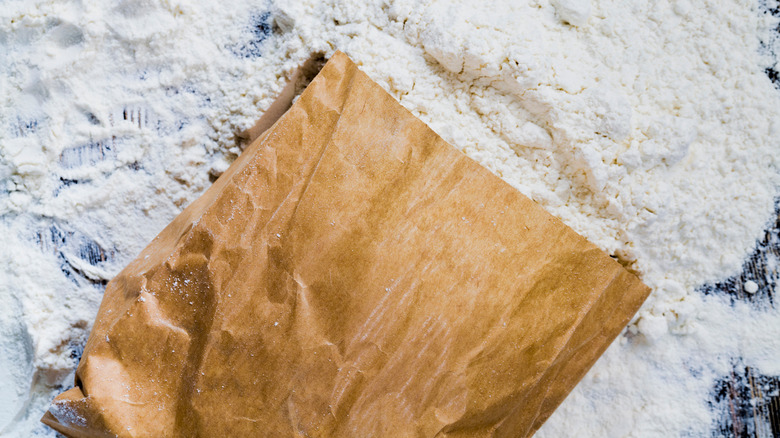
(650, 129)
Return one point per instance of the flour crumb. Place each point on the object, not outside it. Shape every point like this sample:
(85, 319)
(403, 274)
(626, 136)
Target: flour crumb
(574, 12)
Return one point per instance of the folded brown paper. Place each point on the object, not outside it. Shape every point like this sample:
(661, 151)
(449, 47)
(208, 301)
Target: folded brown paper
(350, 275)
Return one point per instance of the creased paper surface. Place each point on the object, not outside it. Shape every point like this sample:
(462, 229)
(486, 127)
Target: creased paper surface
(350, 275)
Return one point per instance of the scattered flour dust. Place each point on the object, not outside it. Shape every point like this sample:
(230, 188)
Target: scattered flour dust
(650, 128)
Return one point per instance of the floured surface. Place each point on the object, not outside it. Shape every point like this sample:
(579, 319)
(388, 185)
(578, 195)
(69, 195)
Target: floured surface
(651, 131)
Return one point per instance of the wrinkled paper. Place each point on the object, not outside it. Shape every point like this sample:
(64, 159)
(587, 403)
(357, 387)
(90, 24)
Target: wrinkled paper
(350, 275)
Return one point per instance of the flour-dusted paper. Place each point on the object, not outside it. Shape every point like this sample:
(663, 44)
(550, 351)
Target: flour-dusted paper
(350, 275)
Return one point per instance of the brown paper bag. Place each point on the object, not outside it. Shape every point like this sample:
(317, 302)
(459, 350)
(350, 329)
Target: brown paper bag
(350, 275)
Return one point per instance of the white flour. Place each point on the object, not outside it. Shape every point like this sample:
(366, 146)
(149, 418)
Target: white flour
(649, 128)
